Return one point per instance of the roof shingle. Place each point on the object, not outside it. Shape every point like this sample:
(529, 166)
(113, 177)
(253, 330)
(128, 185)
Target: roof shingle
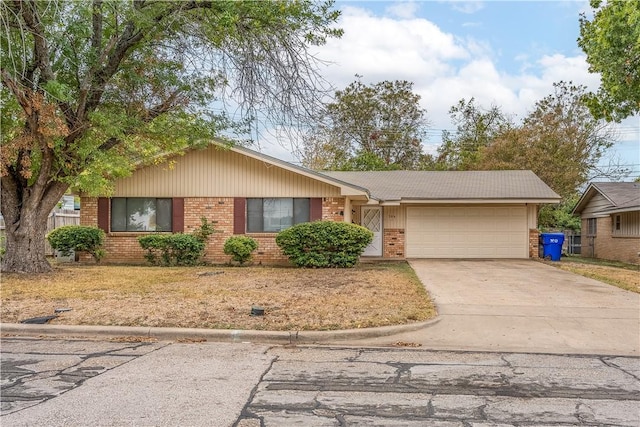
(623, 195)
(449, 185)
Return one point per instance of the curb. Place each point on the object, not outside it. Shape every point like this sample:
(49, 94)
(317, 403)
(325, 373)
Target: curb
(219, 335)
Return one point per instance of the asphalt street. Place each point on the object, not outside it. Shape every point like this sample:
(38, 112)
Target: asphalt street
(58, 382)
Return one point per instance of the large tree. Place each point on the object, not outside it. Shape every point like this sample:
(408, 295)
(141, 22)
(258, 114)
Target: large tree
(92, 88)
(559, 140)
(611, 41)
(476, 129)
(375, 127)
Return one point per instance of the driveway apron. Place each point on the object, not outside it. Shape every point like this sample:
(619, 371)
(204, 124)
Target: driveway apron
(522, 305)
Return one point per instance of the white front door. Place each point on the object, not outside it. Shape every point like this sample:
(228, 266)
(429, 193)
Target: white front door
(372, 219)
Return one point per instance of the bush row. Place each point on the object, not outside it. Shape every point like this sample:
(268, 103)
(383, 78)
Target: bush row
(314, 244)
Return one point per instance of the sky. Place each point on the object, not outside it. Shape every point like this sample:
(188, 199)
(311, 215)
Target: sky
(507, 53)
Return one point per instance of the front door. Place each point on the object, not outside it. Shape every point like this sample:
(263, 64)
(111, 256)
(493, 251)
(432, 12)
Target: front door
(372, 219)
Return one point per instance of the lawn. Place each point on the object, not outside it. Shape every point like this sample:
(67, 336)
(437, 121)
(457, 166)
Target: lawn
(372, 294)
(625, 276)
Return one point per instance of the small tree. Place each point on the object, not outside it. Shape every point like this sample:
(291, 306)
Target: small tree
(324, 243)
(240, 248)
(78, 238)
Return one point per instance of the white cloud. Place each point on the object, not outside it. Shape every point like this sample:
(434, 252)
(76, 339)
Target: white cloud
(381, 48)
(467, 7)
(403, 10)
(444, 68)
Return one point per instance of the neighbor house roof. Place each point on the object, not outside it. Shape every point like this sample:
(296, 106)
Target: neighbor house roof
(622, 196)
(451, 186)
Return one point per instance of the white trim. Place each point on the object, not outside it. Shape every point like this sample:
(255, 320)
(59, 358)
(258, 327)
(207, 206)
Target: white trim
(476, 201)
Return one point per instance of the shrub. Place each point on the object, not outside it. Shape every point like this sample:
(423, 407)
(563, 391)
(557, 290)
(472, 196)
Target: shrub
(172, 249)
(78, 238)
(177, 249)
(205, 230)
(324, 243)
(240, 248)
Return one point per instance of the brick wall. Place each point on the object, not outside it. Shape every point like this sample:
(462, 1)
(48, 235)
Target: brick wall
(89, 211)
(606, 246)
(219, 212)
(333, 209)
(393, 243)
(124, 247)
(534, 242)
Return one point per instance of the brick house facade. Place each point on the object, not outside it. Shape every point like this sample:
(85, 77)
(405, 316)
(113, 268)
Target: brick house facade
(239, 191)
(606, 245)
(123, 247)
(610, 213)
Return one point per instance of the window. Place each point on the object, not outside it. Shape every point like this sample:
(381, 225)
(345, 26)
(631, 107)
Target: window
(592, 226)
(140, 214)
(275, 214)
(617, 222)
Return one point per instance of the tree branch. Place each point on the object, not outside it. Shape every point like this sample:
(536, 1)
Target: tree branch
(42, 55)
(19, 93)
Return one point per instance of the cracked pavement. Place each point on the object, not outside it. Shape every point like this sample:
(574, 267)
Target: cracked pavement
(369, 387)
(57, 382)
(34, 371)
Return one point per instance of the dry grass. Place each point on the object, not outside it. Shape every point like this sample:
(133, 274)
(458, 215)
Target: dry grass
(221, 297)
(625, 276)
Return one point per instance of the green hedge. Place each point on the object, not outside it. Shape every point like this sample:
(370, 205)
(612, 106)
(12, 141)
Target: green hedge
(172, 249)
(240, 248)
(78, 238)
(177, 249)
(324, 243)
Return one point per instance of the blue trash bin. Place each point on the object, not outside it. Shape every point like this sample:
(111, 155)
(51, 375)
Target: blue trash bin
(552, 245)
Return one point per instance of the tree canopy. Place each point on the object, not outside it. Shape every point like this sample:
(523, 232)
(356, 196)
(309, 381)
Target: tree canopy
(476, 128)
(90, 89)
(611, 41)
(559, 140)
(375, 127)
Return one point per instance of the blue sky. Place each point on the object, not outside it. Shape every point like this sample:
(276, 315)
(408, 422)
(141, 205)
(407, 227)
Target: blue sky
(507, 53)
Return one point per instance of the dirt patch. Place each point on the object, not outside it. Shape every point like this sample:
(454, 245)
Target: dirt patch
(221, 297)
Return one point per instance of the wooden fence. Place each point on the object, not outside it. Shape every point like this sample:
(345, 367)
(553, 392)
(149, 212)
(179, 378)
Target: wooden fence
(57, 218)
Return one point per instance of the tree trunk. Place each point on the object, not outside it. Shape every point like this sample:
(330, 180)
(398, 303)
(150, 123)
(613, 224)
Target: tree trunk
(25, 250)
(26, 225)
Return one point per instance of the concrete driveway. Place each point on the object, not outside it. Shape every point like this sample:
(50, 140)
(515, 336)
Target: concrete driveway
(522, 305)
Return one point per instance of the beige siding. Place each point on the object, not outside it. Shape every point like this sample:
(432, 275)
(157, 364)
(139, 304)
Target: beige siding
(629, 224)
(220, 173)
(597, 203)
(532, 216)
(394, 217)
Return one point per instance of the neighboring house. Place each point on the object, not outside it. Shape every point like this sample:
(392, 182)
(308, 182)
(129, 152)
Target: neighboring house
(610, 213)
(412, 214)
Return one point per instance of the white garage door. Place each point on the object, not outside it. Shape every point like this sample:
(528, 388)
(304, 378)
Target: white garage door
(467, 232)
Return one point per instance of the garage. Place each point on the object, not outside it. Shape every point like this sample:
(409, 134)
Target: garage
(467, 232)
